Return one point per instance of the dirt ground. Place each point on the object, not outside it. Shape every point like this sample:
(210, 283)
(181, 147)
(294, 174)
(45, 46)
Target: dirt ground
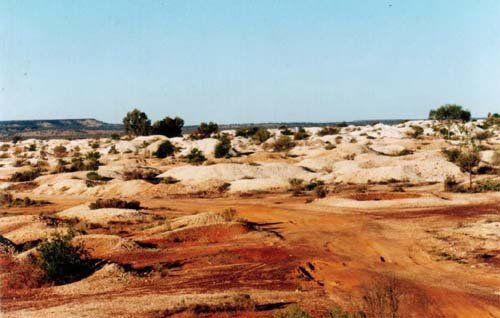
(286, 251)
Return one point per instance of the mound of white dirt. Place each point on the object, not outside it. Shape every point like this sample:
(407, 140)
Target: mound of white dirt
(420, 167)
(100, 216)
(200, 219)
(228, 172)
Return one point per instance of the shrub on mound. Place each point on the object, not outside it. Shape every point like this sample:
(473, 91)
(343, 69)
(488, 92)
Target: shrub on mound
(195, 156)
(165, 149)
(114, 203)
(25, 175)
(222, 148)
(61, 261)
(283, 143)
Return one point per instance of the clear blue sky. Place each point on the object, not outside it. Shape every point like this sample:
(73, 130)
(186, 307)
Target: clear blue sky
(247, 61)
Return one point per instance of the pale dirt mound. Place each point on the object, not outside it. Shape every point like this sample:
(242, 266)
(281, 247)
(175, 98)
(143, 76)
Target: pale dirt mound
(64, 186)
(10, 223)
(389, 150)
(121, 189)
(100, 216)
(179, 188)
(420, 167)
(100, 245)
(207, 234)
(206, 146)
(423, 201)
(228, 172)
(325, 159)
(35, 230)
(200, 219)
(246, 185)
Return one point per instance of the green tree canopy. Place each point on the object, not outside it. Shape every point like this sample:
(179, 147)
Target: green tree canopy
(137, 123)
(450, 112)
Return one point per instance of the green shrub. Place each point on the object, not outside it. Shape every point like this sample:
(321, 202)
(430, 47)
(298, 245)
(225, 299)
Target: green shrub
(286, 131)
(450, 112)
(8, 200)
(115, 203)
(115, 137)
(170, 127)
(94, 176)
(261, 135)
(195, 156)
(223, 147)
(487, 185)
(137, 123)
(62, 262)
(165, 149)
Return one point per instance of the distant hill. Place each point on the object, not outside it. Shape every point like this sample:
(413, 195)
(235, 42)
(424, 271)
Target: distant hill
(57, 128)
(93, 128)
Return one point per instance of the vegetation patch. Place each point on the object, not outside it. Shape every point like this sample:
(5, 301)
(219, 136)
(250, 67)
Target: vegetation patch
(115, 203)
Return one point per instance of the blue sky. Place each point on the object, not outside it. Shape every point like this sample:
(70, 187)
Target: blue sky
(247, 61)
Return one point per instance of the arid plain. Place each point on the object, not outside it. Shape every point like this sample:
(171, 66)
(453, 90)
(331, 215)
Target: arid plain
(378, 219)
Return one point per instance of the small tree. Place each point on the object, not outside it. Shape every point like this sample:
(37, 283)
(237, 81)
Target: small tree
(450, 112)
(300, 134)
(137, 123)
(61, 261)
(222, 148)
(467, 161)
(205, 130)
(170, 127)
(165, 149)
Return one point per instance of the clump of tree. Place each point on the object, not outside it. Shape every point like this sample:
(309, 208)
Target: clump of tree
(450, 112)
(137, 123)
(195, 157)
(205, 130)
(223, 147)
(165, 149)
(170, 127)
(61, 261)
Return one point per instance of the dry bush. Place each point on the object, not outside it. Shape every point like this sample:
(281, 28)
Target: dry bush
(328, 130)
(283, 143)
(140, 174)
(114, 203)
(25, 175)
(8, 200)
(60, 151)
(21, 274)
(382, 299)
(229, 215)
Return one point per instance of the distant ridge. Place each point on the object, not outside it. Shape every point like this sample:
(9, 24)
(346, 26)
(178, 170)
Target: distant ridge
(93, 128)
(57, 128)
